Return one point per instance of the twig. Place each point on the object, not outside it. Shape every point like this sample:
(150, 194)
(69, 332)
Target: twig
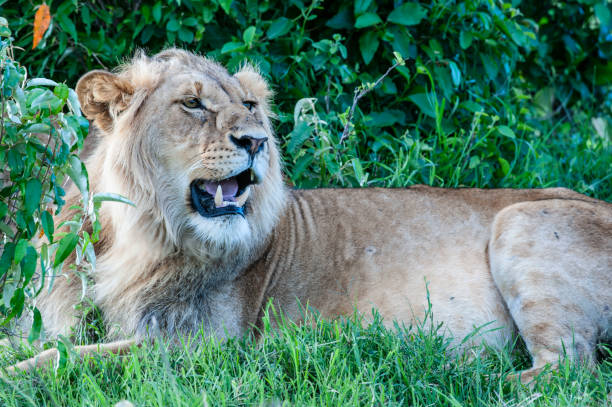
(327, 96)
(361, 92)
(2, 113)
(93, 54)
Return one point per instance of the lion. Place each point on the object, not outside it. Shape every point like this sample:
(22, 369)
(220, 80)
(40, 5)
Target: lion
(215, 234)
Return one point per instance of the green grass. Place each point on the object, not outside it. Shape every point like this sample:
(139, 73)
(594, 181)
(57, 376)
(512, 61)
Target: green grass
(341, 362)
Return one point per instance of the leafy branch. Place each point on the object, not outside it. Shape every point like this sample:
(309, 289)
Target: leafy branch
(363, 90)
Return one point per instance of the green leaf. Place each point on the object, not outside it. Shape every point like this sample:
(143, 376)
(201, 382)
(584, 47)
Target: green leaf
(367, 20)
(386, 118)
(298, 136)
(78, 174)
(17, 302)
(14, 161)
(73, 103)
(6, 229)
(368, 44)
(402, 42)
(3, 209)
(36, 325)
(602, 11)
(232, 47)
(544, 100)
(248, 35)
(506, 131)
(225, 5)
(33, 192)
(190, 22)
(7, 257)
(505, 166)
(331, 164)
(65, 247)
(108, 196)
(20, 250)
(491, 65)
(173, 25)
(465, 39)
(157, 11)
(280, 26)
(37, 128)
(40, 82)
(358, 171)
(47, 223)
(5, 31)
(46, 100)
(342, 20)
(61, 91)
(474, 161)
(301, 164)
(185, 35)
(455, 73)
(361, 6)
(63, 348)
(472, 106)
(67, 25)
(425, 103)
(408, 14)
(28, 264)
(442, 76)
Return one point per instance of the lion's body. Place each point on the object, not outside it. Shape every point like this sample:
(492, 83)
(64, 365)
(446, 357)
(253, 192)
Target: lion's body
(536, 260)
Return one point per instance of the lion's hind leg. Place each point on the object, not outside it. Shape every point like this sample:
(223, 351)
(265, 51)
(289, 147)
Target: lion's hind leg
(552, 263)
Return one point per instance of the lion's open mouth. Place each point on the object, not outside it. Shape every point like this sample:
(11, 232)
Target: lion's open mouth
(224, 197)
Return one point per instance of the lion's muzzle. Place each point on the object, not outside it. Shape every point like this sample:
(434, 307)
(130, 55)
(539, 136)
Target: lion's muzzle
(224, 197)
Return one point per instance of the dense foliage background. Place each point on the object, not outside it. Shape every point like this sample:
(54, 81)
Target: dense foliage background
(491, 94)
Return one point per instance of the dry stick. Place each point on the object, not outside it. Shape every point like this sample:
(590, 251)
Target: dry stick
(361, 93)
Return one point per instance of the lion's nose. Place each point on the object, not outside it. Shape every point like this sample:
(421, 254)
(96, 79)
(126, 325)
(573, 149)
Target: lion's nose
(252, 144)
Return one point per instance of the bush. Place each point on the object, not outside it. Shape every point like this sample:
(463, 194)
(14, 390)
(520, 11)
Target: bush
(42, 132)
(476, 103)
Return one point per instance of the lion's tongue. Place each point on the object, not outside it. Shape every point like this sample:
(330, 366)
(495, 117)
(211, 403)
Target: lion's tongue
(229, 187)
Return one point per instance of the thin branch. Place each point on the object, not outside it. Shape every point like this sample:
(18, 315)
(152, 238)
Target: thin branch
(361, 92)
(327, 96)
(2, 113)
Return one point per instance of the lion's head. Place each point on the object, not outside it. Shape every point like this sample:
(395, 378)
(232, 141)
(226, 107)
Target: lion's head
(190, 144)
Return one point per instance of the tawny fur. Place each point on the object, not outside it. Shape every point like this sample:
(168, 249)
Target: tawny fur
(539, 261)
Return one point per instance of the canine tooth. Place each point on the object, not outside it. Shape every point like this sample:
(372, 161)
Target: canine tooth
(219, 197)
(252, 177)
(240, 201)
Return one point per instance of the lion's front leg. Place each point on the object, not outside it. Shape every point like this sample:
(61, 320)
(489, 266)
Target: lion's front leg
(58, 306)
(552, 262)
(44, 358)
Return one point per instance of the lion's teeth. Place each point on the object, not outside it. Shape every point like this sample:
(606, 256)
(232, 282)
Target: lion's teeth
(252, 177)
(241, 200)
(219, 197)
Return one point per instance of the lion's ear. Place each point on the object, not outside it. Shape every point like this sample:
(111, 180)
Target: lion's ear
(253, 81)
(103, 96)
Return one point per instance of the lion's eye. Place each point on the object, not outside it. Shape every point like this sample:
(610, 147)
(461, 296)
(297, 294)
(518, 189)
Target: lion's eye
(192, 103)
(250, 105)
